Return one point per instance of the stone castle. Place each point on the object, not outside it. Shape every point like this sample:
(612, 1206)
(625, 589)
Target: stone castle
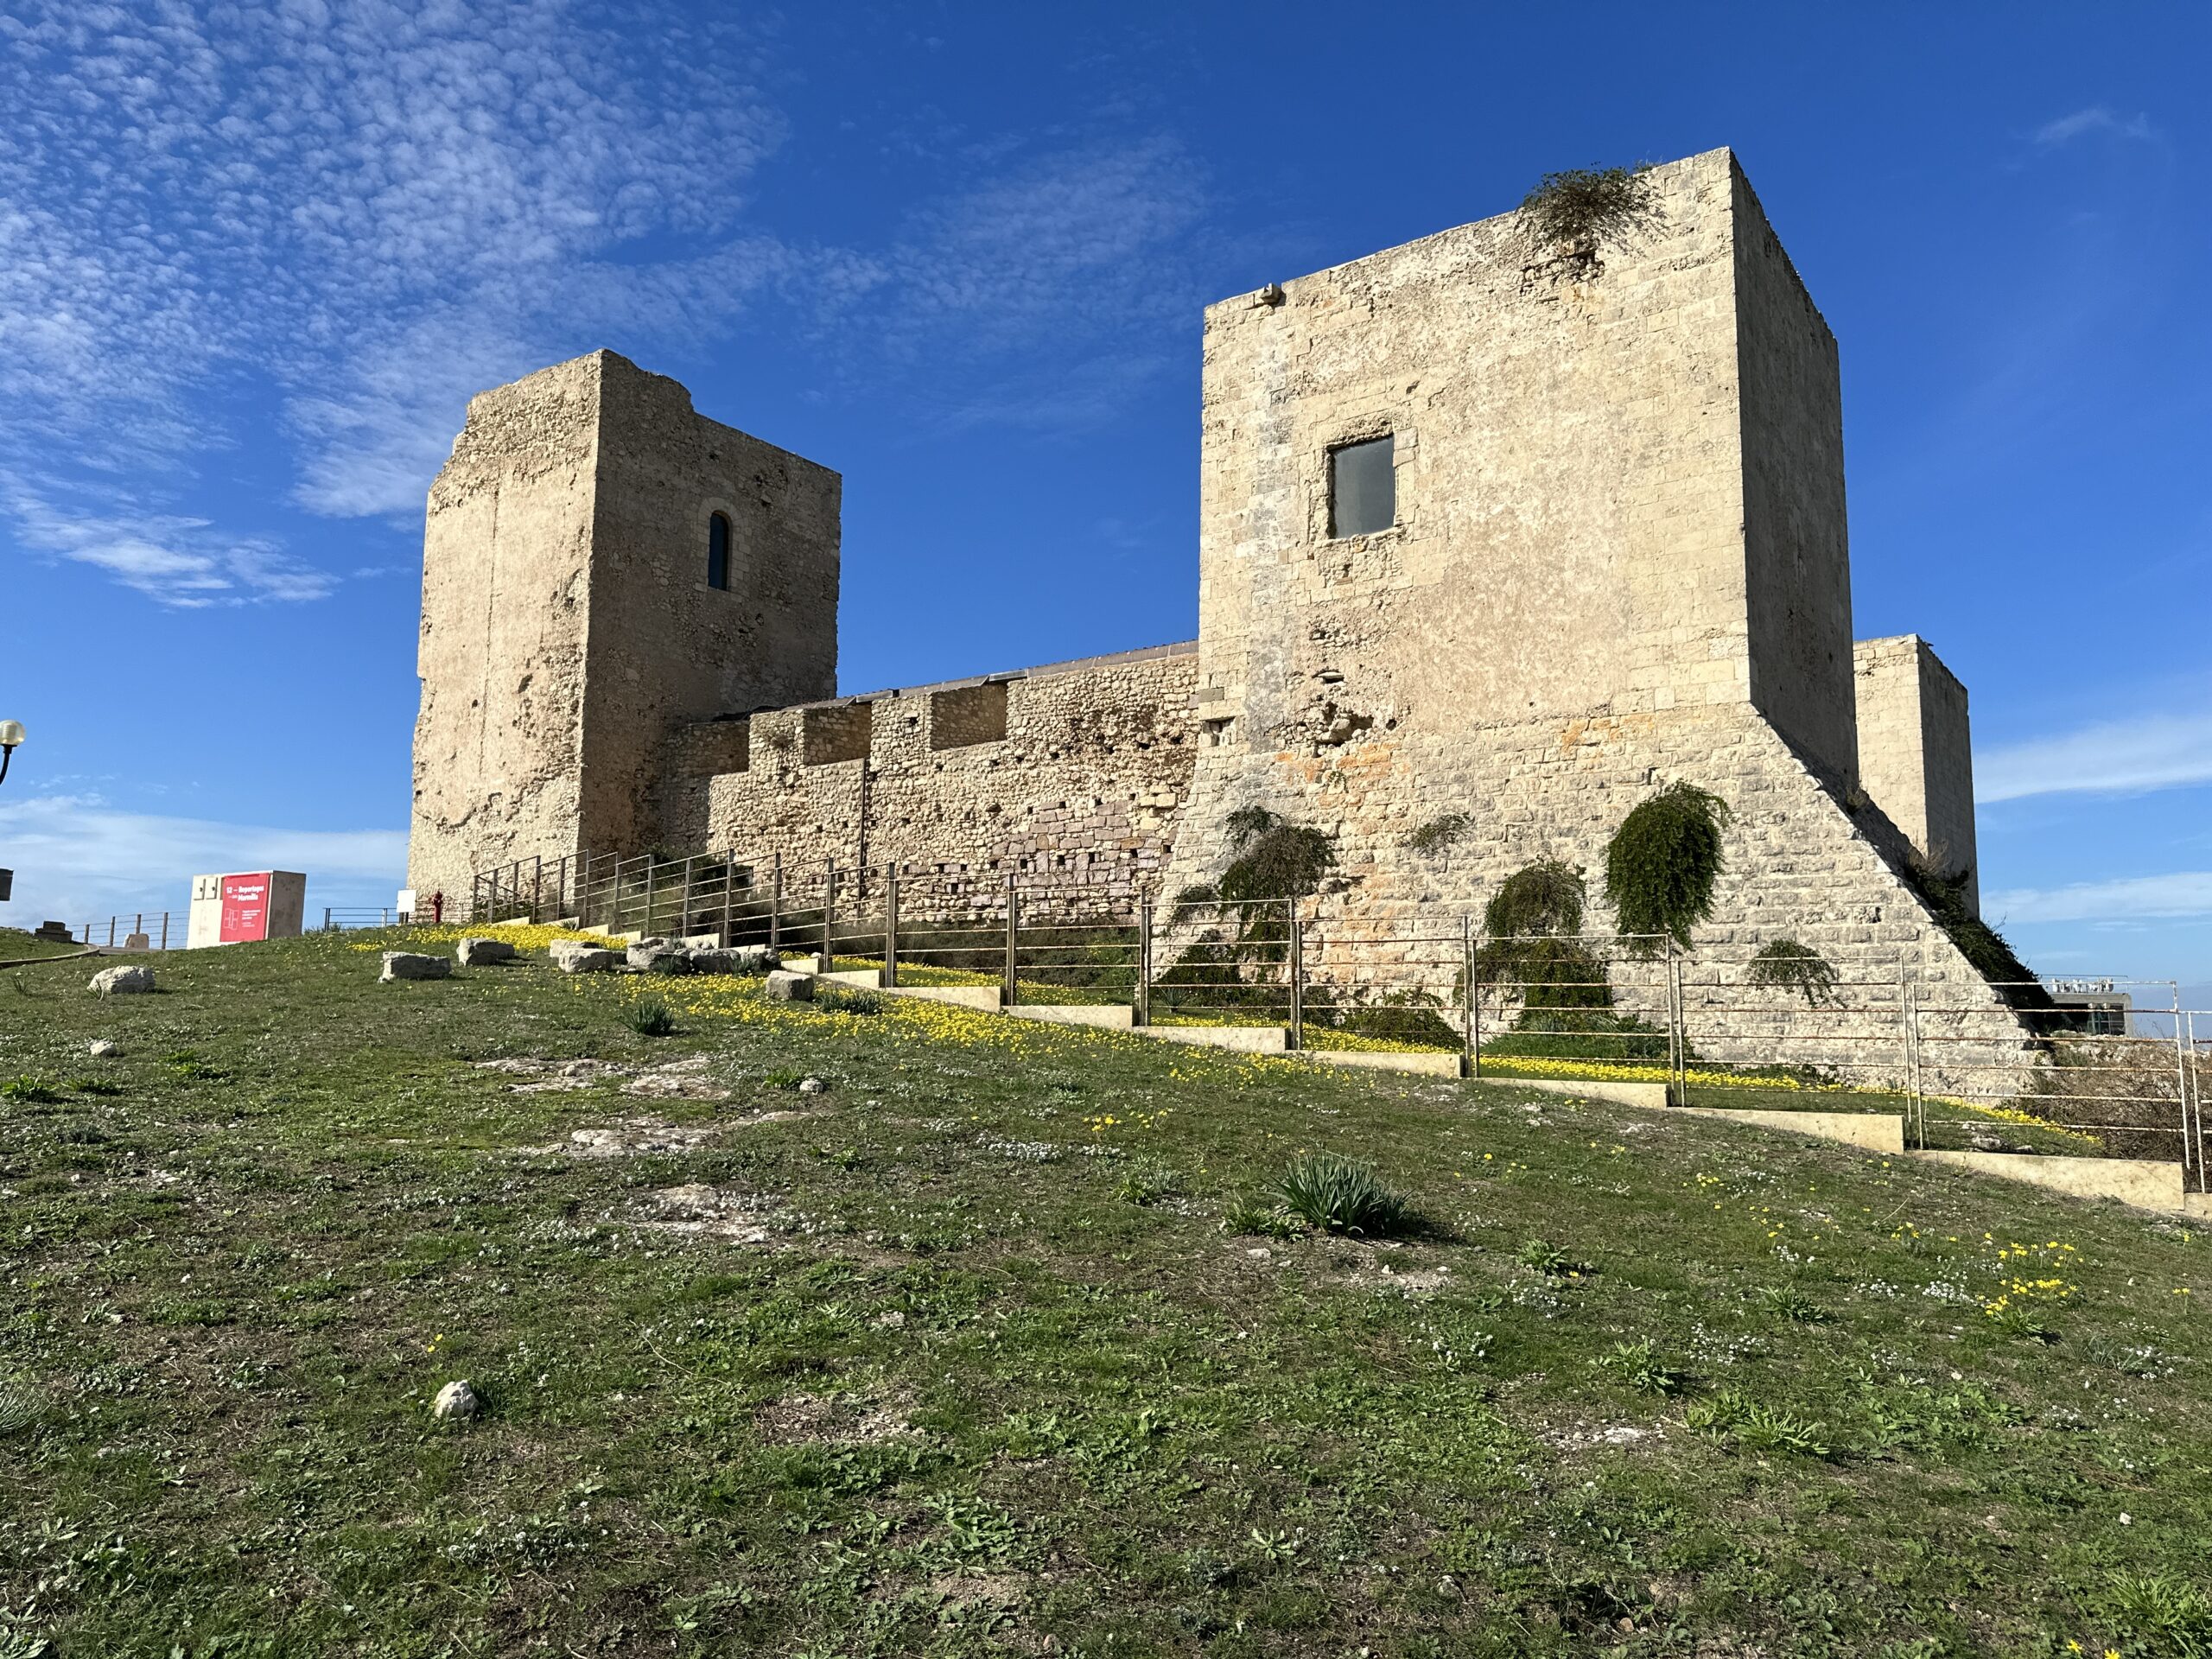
(1514, 533)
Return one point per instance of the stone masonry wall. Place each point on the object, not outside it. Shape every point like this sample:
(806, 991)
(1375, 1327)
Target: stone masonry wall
(506, 600)
(1915, 751)
(568, 628)
(1083, 792)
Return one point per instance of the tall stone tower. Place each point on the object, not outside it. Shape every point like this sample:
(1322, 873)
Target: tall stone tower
(1523, 530)
(602, 567)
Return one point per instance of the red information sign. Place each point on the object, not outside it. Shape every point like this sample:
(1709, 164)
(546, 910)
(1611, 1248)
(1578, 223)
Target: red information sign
(245, 908)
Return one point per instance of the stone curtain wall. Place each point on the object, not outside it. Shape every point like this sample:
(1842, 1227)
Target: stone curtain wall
(1083, 792)
(1915, 751)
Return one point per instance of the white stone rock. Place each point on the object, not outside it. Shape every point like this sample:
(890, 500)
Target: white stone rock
(105, 1048)
(456, 1399)
(786, 987)
(409, 964)
(575, 957)
(117, 982)
(659, 957)
(751, 959)
(473, 953)
(812, 1086)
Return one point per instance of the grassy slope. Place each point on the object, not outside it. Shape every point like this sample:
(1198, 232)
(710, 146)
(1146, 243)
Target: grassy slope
(973, 1397)
(17, 945)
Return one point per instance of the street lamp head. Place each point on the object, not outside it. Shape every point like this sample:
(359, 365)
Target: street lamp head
(11, 733)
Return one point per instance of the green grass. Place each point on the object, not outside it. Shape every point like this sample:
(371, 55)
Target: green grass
(975, 1364)
(19, 944)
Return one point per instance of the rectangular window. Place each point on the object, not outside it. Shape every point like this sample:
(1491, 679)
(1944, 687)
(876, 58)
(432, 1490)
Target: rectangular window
(1362, 488)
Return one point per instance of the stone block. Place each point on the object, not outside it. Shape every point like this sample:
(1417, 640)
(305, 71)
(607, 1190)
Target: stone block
(117, 982)
(791, 988)
(410, 964)
(474, 953)
(753, 960)
(659, 956)
(573, 956)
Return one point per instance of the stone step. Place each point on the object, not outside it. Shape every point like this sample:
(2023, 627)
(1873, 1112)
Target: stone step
(867, 979)
(1438, 1064)
(1242, 1039)
(1107, 1016)
(987, 998)
(1652, 1095)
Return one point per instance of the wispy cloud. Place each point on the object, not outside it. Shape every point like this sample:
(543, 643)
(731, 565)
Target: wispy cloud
(75, 857)
(2140, 898)
(373, 208)
(2093, 119)
(2112, 757)
(184, 562)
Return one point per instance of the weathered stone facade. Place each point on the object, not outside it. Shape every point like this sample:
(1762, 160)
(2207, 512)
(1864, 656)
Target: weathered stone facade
(1073, 775)
(1618, 559)
(1915, 752)
(568, 628)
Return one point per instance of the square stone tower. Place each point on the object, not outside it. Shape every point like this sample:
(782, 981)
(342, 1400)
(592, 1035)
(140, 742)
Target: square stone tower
(602, 566)
(1916, 753)
(1610, 484)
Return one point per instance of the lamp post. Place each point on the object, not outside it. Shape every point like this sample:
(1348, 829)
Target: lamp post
(11, 734)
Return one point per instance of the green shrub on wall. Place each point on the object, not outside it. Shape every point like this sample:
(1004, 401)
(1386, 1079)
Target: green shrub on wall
(1575, 209)
(1663, 861)
(1544, 897)
(1787, 965)
(1439, 833)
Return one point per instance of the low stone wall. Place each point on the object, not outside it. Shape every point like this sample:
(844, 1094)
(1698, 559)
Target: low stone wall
(1072, 776)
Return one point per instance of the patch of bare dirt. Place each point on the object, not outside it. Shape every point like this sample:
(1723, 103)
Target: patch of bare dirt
(840, 1418)
(684, 1079)
(705, 1212)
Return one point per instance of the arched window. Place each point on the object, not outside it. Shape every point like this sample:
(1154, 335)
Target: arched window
(718, 552)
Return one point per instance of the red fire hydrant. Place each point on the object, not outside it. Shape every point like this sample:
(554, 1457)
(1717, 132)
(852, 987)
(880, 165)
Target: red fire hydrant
(437, 908)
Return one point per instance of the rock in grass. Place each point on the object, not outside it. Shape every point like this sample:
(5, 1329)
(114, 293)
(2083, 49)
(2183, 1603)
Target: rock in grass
(409, 964)
(785, 987)
(749, 959)
(474, 953)
(659, 956)
(456, 1399)
(812, 1086)
(104, 1048)
(117, 982)
(575, 956)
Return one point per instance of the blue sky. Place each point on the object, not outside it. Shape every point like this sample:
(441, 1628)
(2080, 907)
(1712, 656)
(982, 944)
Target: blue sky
(254, 260)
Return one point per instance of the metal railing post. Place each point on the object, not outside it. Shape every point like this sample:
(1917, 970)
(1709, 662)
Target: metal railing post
(776, 908)
(2181, 1083)
(729, 896)
(165, 930)
(828, 927)
(1144, 960)
(110, 932)
(537, 887)
(646, 926)
(683, 907)
(1297, 975)
(891, 924)
(1012, 913)
(1471, 1011)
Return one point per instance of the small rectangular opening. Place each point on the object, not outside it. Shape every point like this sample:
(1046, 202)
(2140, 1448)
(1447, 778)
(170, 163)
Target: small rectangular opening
(836, 732)
(1363, 486)
(1220, 734)
(967, 715)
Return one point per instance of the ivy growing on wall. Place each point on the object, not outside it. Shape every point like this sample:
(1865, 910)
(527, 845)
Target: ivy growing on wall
(1663, 861)
(1439, 833)
(1945, 894)
(1787, 965)
(1272, 858)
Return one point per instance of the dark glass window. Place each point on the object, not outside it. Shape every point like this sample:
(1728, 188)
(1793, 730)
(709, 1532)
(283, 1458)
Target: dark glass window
(718, 552)
(1362, 488)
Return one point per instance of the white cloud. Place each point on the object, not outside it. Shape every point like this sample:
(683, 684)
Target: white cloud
(76, 859)
(2185, 893)
(2113, 757)
(183, 562)
(375, 208)
(2095, 118)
